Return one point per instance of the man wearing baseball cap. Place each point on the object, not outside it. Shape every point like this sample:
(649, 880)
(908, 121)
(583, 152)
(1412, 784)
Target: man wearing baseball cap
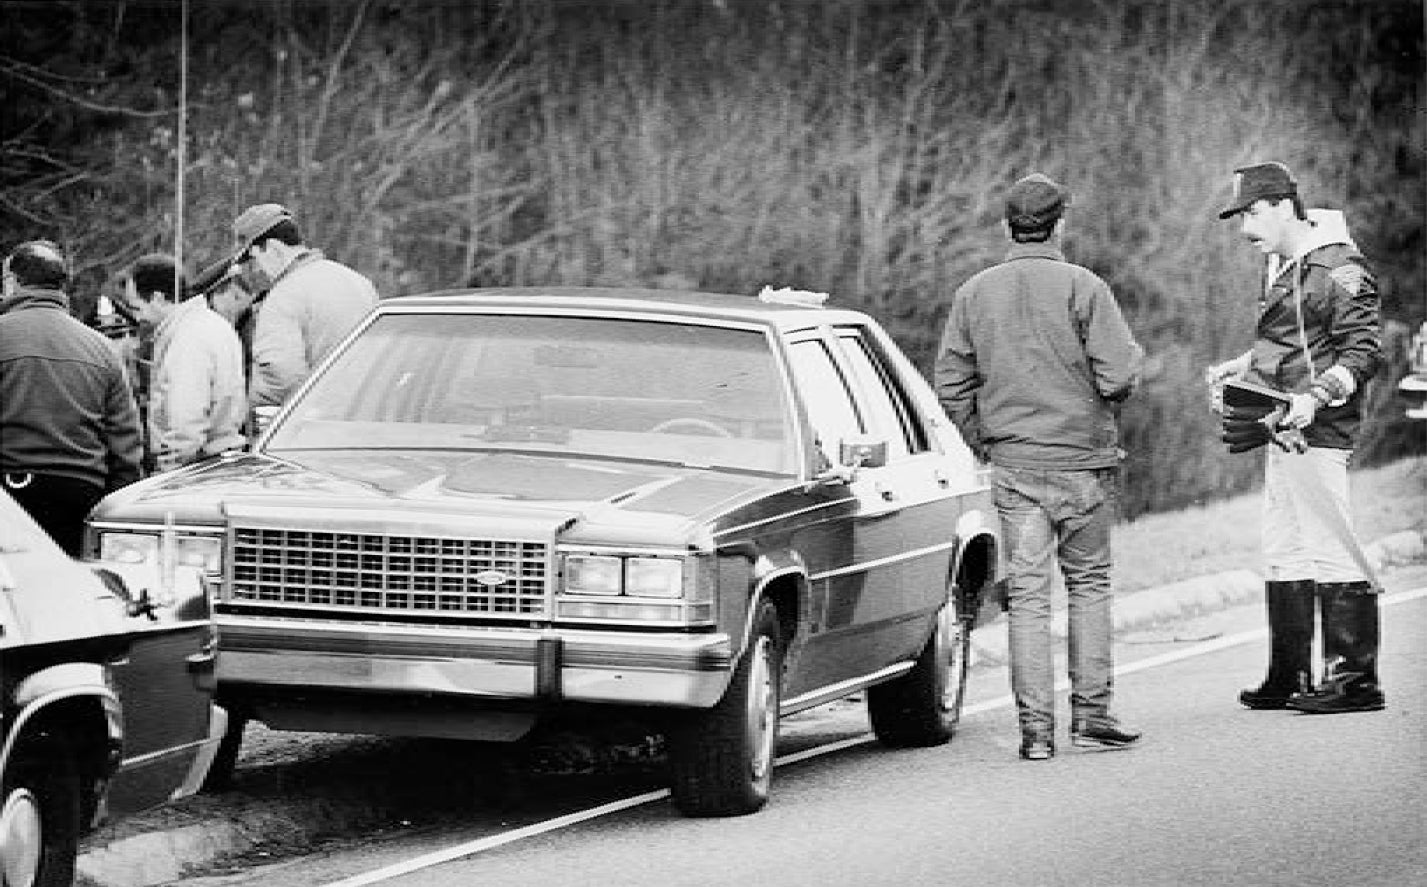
(1034, 362)
(1318, 343)
(310, 301)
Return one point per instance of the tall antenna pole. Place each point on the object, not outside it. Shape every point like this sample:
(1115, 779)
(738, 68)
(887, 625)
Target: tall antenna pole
(182, 149)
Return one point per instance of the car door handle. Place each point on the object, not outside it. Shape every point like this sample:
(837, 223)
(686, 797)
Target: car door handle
(887, 493)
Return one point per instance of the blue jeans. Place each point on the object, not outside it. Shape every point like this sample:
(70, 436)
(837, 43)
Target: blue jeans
(1050, 518)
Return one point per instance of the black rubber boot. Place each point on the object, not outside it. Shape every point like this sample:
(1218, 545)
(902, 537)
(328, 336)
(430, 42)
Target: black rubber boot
(1350, 644)
(1290, 634)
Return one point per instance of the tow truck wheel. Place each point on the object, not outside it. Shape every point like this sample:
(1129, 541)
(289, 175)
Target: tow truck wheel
(39, 817)
(721, 760)
(921, 708)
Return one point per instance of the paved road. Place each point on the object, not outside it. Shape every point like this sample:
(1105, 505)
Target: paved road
(1216, 795)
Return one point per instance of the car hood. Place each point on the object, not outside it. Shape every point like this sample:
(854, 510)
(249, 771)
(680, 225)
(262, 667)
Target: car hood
(583, 496)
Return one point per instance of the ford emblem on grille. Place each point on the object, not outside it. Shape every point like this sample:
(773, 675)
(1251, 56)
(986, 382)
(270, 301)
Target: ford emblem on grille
(492, 577)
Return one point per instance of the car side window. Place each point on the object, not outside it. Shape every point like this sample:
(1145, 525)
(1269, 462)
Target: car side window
(827, 395)
(890, 412)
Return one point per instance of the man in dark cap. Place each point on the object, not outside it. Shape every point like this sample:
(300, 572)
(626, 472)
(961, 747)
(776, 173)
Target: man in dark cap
(1035, 361)
(69, 430)
(1318, 342)
(311, 302)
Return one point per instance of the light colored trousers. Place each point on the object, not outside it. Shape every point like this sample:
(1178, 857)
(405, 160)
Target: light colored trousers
(1062, 519)
(1298, 541)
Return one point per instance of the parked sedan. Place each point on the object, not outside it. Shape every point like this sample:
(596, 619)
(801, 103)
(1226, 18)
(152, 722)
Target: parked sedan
(107, 675)
(489, 505)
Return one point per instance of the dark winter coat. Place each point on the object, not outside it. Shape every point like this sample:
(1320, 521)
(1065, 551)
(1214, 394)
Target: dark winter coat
(65, 404)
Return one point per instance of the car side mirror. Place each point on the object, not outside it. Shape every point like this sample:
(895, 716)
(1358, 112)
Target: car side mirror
(854, 452)
(862, 451)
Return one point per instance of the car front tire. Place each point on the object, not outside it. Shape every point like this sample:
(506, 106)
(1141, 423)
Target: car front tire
(922, 707)
(721, 760)
(39, 817)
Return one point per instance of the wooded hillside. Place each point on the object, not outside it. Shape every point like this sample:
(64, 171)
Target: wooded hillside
(850, 146)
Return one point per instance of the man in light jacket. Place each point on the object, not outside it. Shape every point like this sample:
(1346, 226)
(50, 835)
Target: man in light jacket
(197, 398)
(310, 302)
(1034, 362)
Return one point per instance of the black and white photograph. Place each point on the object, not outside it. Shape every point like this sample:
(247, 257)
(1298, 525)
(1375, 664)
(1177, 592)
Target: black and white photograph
(682, 443)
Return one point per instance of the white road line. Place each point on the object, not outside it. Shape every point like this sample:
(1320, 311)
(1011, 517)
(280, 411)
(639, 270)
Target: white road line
(481, 845)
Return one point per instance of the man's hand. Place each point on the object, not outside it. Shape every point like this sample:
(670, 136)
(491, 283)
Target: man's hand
(1246, 430)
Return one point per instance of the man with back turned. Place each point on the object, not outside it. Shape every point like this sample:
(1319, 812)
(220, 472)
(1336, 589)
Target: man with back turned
(1034, 362)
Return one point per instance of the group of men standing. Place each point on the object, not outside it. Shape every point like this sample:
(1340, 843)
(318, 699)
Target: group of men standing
(241, 336)
(1034, 363)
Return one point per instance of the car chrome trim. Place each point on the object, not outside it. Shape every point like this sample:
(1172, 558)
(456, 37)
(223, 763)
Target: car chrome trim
(155, 529)
(696, 317)
(786, 515)
(207, 752)
(842, 688)
(696, 652)
(884, 561)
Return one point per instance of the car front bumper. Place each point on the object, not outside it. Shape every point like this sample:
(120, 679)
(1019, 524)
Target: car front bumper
(479, 664)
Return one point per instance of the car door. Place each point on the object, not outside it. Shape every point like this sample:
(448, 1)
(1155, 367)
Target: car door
(870, 559)
(164, 672)
(913, 539)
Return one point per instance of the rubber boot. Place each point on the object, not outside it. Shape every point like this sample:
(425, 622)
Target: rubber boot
(1290, 633)
(1350, 644)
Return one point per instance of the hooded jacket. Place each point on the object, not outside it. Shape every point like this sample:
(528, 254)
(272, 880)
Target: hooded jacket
(65, 404)
(1319, 314)
(310, 308)
(1034, 361)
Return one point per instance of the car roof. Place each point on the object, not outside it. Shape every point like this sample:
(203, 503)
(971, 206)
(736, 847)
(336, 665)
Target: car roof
(622, 300)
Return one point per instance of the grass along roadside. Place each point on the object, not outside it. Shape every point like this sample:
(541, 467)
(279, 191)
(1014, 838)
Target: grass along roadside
(1216, 537)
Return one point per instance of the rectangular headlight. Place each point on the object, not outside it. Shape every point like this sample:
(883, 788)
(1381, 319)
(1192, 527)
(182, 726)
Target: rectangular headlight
(594, 574)
(203, 552)
(129, 548)
(654, 577)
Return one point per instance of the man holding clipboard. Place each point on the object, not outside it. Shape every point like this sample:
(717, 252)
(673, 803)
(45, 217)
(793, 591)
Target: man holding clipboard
(1298, 392)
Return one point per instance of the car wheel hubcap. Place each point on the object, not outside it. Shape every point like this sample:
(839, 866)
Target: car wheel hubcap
(21, 839)
(762, 712)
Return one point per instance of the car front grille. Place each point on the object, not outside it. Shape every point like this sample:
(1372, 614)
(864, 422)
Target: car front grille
(381, 573)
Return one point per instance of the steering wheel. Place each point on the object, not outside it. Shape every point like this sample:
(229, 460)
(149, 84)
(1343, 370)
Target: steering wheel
(691, 423)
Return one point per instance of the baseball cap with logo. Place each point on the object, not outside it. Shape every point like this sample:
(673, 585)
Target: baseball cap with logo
(1259, 182)
(256, 221)
(1035, 202)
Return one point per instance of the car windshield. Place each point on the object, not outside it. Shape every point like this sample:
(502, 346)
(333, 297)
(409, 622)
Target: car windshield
(650, 391)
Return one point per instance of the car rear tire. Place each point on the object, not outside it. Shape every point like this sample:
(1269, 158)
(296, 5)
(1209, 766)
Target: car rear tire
(39, 817)
(721, 760)
(922, 707)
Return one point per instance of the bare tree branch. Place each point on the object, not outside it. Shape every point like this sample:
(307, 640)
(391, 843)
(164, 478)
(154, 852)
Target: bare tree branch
(14, 71)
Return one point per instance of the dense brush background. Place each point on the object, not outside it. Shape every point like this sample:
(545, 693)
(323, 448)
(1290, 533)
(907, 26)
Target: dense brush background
(850, 146)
